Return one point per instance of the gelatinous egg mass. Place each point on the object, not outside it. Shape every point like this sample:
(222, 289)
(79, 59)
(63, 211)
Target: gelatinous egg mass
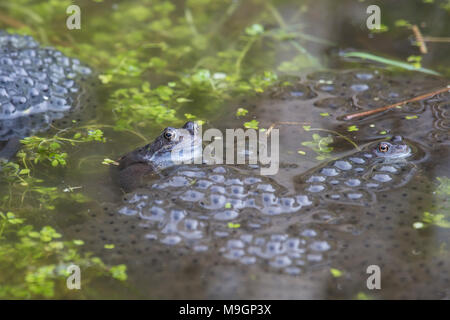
(37, 85)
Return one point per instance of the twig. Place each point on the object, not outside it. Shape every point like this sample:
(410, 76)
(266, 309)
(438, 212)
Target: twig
(419, 39)
(374, 111)
(436, 39)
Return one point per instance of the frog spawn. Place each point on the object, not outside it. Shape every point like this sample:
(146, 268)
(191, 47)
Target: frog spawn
(168, 226)
(224, 192)
(198, 206)
(37, 85)
(163, 222)
(354, 179)
(287, 253)
(441, 111)
(345, 92)
(203, 201)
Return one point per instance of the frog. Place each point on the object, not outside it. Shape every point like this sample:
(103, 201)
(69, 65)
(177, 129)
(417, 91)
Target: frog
(355, 178)
(170, 147)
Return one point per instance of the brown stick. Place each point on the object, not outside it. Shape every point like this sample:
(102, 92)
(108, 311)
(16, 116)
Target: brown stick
(374, 111)
(419, 39)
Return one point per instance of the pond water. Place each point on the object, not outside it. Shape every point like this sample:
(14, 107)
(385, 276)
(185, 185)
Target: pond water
(226, 232)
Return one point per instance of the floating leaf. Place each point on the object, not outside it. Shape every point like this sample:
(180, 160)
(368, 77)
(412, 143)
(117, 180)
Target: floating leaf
(253, 124)
(232, 225)
(241, 112)
(119, 272)
(336, 272)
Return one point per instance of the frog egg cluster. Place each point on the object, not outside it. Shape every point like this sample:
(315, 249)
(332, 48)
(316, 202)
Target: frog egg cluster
(441, 112)
(342, 84)
(37, 85)
(354, 179)
(289, 253)
(223, 192)
(195, 204)
(162, 221)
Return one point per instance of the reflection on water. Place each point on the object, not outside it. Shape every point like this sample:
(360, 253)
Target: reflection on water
(230, 233)
(312, 230)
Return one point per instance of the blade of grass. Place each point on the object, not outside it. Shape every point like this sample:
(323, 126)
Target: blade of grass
(395, 63)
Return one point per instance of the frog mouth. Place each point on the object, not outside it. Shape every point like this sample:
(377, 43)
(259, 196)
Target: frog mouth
(403, 152)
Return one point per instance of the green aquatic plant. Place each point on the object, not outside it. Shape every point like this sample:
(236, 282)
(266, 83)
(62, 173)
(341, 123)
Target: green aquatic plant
(320, 145)
(183, 58)
(35, 263)
(240, 112)
(134, 107)
(32, 194)
(42, 149)
(440, 215)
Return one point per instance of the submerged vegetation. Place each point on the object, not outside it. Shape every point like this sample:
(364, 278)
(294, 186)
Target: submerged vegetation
(440, 216)
(35, 262)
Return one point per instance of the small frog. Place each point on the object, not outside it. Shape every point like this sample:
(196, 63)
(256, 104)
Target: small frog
(173, 146)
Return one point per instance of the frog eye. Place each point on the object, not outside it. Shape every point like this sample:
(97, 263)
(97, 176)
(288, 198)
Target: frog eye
(169, 134)
(383, 147)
